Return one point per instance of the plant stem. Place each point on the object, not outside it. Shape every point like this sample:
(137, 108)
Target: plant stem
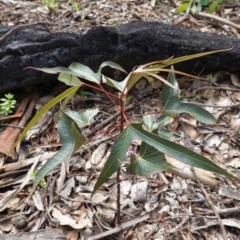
(122, 105)
(100, 89)
(118, 196)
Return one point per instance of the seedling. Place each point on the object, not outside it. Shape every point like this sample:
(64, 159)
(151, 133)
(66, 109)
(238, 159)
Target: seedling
(7, 104)
(156, 141)
(198, 5)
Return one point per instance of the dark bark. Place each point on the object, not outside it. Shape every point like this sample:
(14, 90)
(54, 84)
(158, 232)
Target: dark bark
(129, 45)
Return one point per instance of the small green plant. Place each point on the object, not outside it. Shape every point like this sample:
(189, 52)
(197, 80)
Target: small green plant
(156, 141)
(51, 4)
(198, 5)
(42, 183)
(75, 6)
(7, 104)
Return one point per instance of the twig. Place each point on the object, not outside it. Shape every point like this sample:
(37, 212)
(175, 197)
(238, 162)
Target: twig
(219, 88)
(119, 227)
(105, 122)
(213, 106)
(118, 196)
(224, 211)
(93, 203)
(186, 15)
(212, 206)
(177, 228)
(6, 35)
(15, 215)
(217, 18)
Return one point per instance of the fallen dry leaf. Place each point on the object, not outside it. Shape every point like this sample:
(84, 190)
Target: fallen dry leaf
(65, 219)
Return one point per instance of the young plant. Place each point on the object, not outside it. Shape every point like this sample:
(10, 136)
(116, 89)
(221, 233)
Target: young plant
(7, 104)
(42, 183)
(51, 4)
(198, 5)
(75, 6)
(154, 143)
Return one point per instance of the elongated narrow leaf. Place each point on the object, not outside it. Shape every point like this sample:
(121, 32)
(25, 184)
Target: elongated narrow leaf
(64, 127)
(111, 65)
(79, 138)
(184, 58)
(162, 121)
(135, 131)
(120, 86)
(182, 8)
(138, 74)
(164, 133)
(54, 70)
(133, 78)
(177, 151)
(172, 105)
(148, 121)
(88, 74)
(43, 110)
(150, 161)
(66, 151)
(169, 93)
(118, 153)
(83, 119)
(85, 72)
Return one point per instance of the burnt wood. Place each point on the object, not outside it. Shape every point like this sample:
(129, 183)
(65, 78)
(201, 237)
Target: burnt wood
(129, 45)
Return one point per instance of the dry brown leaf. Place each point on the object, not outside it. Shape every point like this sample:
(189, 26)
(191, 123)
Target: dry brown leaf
(235, 124)
(184, 171)
(65, 219)
(98, 153)
(139, 192)
(69, 234)
(228, 192)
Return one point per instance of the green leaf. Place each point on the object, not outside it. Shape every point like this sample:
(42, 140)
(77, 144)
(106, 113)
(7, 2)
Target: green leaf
(54, 70)
(88, 74)
(172, 105)
(69, 79)
(9, 96)
(83, 119)
(64, 154)
(78, 137)
(182, 8)
(164, 133)
(150, 70)
(112, 65)
(120, 86)
(143, 72)
(173, 61)
(162, 121)
(197, 6)
(85, 72)
(69, 75)
(150, 161)
(43, 110)
(204, 2)
(135, 131)
(213, 6)
(148, 121)
(4, 104)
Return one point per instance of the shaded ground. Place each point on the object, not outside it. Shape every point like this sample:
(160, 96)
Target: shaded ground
(168, 205)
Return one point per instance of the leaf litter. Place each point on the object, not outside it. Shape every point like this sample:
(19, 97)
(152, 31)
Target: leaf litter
(177, 207)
